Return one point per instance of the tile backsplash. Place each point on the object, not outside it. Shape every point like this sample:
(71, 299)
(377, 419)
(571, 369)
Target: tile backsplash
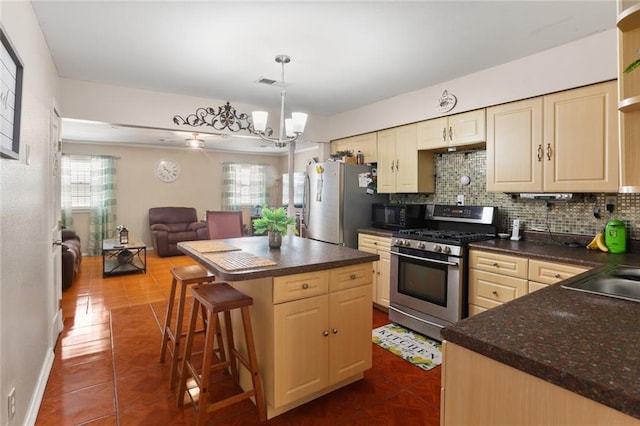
(574, 217)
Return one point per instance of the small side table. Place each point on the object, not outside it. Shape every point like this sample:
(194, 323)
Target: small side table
(123, 258)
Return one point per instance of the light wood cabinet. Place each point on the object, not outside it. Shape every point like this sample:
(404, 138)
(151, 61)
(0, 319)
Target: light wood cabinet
(481, 391)
(543, 273)
(496, 278)
(314, 332)
(401, 167)
(366, 143)
(467, 128)
(573, 148)
(381, 268)
(629, 95)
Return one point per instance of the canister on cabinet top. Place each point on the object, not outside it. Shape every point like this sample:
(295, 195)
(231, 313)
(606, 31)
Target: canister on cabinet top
(616, 236)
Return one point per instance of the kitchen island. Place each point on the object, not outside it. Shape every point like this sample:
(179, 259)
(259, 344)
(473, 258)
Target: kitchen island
(555, 356)
(311, 313)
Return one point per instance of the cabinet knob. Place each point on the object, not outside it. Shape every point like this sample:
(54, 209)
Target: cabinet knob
(549, 151)
(450, 133)
(540, 152)
(353, 276)
(495, 293)
(557, 276)
(334, 331)
(325, 333)
(495, 264)
(444, 134)
(397, 165)
(305, 286)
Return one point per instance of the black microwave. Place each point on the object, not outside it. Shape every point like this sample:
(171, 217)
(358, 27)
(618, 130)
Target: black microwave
(398, 216)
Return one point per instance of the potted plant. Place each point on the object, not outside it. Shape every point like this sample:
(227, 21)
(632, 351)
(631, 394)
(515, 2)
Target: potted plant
(346, 156)
(274, 222)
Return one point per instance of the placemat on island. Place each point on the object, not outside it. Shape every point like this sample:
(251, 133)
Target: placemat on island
(209, 246)
(237, 260)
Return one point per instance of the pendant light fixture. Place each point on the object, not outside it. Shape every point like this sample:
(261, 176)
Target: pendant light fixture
(291, 128)
(194, 142)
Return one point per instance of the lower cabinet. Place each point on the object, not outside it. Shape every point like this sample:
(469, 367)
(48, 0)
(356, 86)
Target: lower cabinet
(312, 333)
(477, 390)
(382, 268)
(497, 278)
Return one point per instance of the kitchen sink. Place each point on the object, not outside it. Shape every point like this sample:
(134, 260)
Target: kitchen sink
(622, 282)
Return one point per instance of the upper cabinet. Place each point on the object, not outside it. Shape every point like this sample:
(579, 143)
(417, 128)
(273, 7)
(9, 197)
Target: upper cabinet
(629, 94)
(563, 142)
(366, 143)
(401, 168)
(456, 130)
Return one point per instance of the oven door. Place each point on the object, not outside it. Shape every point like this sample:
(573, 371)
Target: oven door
(428, 283)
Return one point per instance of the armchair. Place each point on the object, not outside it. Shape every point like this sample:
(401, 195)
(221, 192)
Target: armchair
(171, 225)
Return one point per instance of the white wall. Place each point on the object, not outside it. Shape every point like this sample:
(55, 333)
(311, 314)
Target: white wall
(586, 61)
(26, 269)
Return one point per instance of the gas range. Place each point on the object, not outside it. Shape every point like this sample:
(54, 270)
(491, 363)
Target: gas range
(449, 242)
(448, 229)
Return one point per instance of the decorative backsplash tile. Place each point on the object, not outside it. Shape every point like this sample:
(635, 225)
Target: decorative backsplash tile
(574, 217)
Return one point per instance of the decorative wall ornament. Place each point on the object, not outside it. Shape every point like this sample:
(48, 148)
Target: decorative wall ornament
(446, 102)
(225, 118)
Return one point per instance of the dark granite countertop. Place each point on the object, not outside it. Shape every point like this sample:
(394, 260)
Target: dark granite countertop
(585, 343)
(296, 255)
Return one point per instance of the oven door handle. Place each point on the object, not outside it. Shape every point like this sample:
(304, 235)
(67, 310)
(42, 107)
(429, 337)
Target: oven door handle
(424, 259)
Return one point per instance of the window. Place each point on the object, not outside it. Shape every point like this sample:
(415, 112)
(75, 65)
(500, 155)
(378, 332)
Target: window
(298, 189)
(77, 169)
(244, 186)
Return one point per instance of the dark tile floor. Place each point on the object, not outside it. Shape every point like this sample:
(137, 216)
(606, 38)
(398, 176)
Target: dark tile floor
(106, 370)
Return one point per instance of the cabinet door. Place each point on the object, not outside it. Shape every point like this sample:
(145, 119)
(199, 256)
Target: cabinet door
(432, 134)
(350, 332)
(581, 139)
(514, 146)
(301, 348)
(467, 128)
(406, 159)
(387, 161)
(383, 278)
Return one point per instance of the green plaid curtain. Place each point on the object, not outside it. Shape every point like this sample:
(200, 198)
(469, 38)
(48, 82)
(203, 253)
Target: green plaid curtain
(244, 185)
(102, 213)
(65, 182)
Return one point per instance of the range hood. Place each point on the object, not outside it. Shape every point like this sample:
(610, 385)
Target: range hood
(546, 196)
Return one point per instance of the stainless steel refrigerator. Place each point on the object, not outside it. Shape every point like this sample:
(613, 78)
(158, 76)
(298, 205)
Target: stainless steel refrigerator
(337, 201)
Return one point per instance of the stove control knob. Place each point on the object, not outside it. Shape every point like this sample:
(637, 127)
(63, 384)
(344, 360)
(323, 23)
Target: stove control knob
(422, 245)
(446, 250)
(437, 248)
(397, 242)
(407, 243)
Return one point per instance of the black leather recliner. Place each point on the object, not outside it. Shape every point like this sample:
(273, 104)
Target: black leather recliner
(171, 225)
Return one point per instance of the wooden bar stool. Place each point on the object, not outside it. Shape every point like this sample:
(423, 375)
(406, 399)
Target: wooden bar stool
(183, 276)
(219, 298)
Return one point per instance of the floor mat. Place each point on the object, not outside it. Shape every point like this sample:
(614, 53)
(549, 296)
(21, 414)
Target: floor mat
(413, 347)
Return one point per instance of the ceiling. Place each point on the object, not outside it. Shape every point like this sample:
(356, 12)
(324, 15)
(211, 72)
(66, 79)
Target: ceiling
(344, 54)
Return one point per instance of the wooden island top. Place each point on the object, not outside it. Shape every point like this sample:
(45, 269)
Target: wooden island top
(296, 255)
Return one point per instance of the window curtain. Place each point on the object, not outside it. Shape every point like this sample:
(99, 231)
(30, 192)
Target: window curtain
(65, 182)
(102, 213)
(243, 185)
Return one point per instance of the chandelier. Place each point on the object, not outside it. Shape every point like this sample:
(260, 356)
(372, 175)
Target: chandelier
(226, 118)
(290, 128)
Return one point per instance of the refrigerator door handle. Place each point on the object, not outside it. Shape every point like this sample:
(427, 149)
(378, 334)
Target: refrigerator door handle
(307, 199)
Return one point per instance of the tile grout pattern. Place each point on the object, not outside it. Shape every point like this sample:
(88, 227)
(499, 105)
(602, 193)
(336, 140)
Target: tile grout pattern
(107, 370)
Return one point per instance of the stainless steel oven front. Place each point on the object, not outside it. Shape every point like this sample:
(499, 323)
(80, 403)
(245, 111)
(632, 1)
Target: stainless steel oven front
(427, 291)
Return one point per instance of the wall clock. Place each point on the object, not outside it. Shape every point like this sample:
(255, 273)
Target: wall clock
(167, 170)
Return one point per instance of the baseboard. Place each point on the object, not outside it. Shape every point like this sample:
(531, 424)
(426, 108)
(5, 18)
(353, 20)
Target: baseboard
(38, 392)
